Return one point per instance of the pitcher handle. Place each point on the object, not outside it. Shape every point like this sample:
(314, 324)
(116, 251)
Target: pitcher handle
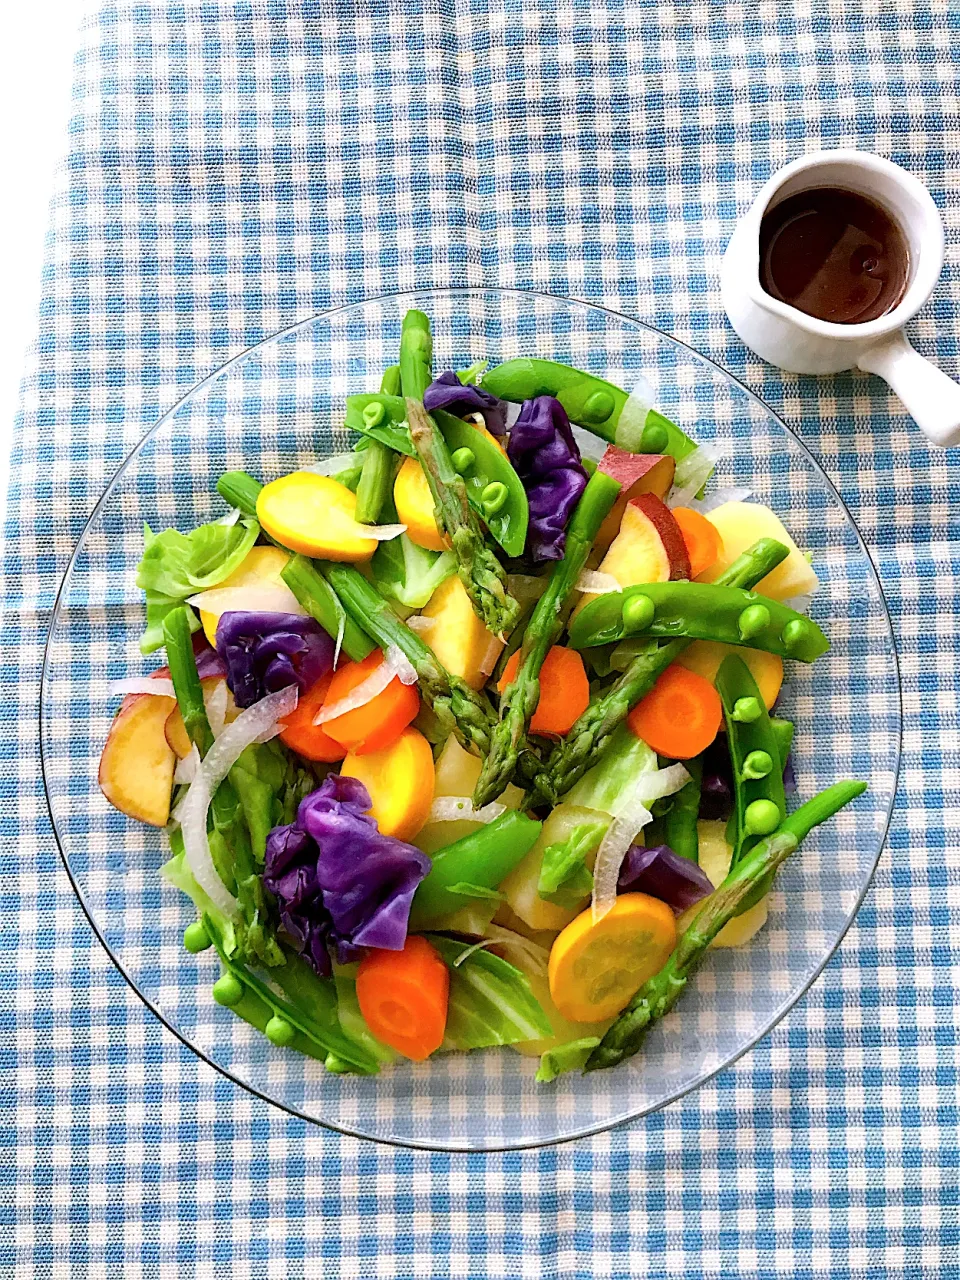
(930, 397)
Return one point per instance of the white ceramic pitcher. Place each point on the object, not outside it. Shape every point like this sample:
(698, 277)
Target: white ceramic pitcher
(801, 343)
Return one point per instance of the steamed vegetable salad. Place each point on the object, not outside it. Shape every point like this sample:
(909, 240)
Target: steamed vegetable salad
(464, 738)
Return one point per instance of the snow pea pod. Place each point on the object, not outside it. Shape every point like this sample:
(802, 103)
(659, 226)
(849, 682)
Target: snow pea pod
(484, 465)
(382, 417)
(313, 1030)
(606, 410)
(699, 611)
(759, 801)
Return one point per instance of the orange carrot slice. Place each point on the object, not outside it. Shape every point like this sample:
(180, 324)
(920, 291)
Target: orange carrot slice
(564, 691)
(381, 720)
(680, 716)
(403, 997)
(704, 544)
(311, 740)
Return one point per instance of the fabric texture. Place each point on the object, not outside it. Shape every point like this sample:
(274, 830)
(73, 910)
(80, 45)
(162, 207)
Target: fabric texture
(233, 167)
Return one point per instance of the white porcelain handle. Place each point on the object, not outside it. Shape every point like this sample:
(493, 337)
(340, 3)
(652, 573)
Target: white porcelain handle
(929, 396)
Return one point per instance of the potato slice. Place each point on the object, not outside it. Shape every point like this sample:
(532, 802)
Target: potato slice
(740, 525)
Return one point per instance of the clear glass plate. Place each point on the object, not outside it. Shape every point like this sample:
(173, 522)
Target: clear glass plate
(279, 406)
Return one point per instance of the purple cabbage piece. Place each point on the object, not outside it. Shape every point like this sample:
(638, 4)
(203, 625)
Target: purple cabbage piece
(209, 662)
(789, 777)
(338, 881)
(716, 788)
(449, 393)
(545, 456)
(264, 652)
(665, 875)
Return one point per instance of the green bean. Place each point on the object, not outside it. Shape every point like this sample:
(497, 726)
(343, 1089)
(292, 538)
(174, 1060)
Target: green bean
(660, 993)
(322, 603)
(481, 858)
(605, 409)
(186, 681)
(679, 824)
(699, 611)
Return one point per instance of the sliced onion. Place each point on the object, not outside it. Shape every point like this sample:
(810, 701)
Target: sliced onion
(336, 463)
(460, 809)
(657, 783)
(526, 954)
(513, 413)
(260, 597)
(421, 625)
(799, 604)
(394, 664)
(467, 952)
(341, 627)
(249, 727)
(590, 446)
(215, 701)
(719, 498)
(476, 419)
(633, 416)
(377, 532)
(231, 518)
(621, 833)
(490, 655)
(692, 474)
(158, 686)
(594, 583)
(186, 769)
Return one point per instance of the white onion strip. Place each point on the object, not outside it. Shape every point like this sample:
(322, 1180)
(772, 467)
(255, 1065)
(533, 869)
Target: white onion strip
(341, 627)
(692, 474)
(249, 727)
(186, 769)
(231, 518)
(460, 809)
(261, 597)
(527, 955)
(621, 833)
(157, 686)
(377, 532)
(594, 583)
(657, 783)
(336, 463)
(215, 701)
(394, 664)
(719, 498)
(421, 625)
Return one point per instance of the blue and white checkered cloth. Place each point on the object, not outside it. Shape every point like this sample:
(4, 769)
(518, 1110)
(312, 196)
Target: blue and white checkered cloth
(236, 165)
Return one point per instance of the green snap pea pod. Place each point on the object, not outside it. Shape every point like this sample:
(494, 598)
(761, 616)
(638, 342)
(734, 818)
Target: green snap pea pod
(699, 611)
(759, 803)
(678, 826)
(314, 593)
(606, 410)
(482, 858)
(660, 993)
(783, 732)
(585, 742)
(383, 417)
(309, 1026)
(455, 704)
(494, 489)
(379, 467)
(520, 698)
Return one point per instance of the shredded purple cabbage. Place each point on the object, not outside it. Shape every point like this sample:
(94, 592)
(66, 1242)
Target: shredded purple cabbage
(716, 788)
(449, 393)
(264, 652)
(547, 460)
(665, 875)
(338, 881)
(209, 663)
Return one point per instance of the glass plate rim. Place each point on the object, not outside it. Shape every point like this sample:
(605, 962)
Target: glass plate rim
(792, 1000)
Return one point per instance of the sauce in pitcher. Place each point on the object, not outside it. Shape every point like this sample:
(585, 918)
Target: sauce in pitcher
(833, 254)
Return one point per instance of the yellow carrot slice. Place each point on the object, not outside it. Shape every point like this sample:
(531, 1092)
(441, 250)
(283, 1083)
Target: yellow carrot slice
(400, 781)
(415, 506)
(314, 515)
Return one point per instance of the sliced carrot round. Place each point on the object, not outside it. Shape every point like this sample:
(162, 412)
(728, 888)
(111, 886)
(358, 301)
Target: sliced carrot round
(564, 691)
(400, 781)
(595, 970)
(315, 515)
(378, 722)
(403, 996)
(300, 734)
(680, 716)
(703, 541)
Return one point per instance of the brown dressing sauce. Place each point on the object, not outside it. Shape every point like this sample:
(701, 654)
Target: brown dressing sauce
(833, 254)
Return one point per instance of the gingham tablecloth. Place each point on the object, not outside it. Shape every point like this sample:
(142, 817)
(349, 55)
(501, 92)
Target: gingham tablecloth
(233, 167)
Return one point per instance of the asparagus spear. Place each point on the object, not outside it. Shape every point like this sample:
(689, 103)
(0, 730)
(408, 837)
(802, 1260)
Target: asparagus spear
(586, 741)
(480, 571)
(230, 845)
(520, 699)
(660, 993)
(376, 474)
(456, 705)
